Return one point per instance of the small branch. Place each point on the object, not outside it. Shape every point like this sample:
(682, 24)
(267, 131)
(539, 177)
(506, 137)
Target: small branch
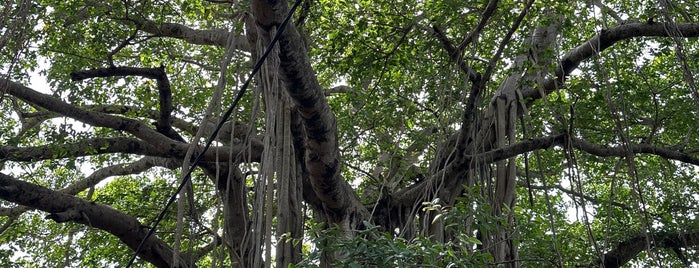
(7, 224)
(506, 40)
(485, 17)
(337, 89)
(199, 253)
(110, 56)
(608, 10)
(579, 194)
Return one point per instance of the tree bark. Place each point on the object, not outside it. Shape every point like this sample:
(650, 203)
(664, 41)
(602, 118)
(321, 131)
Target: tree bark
(630, 248)
(322, 159)
(63, 208)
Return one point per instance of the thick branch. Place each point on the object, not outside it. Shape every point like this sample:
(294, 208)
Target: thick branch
(604, 40)
(606, 151)
(63, 207)
(96, 177)
(150, 73)
(215, 37)
(630, 248)
(86, 147)
(137, 128)
(408, 195)
(164, 92)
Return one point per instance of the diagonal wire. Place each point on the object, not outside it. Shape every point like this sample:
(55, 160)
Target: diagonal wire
(225, 117)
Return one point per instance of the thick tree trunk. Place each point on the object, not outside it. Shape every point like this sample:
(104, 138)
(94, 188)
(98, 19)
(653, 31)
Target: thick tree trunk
(236, 216)
(340, 203)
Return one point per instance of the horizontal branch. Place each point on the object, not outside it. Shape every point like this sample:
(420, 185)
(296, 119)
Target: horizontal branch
(96, 177)
(164, 145)
(580, 144)
(63, 207)
(164, 91)
(620, 151)
(86, 147)
(241, 130)
(151, 73)
(604, 40)
(630, 248)
(214, 37)
(408, 195)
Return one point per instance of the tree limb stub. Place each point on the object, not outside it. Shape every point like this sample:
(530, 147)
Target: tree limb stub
(63, 207)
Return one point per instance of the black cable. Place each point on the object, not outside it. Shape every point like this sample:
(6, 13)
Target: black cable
(225, 117)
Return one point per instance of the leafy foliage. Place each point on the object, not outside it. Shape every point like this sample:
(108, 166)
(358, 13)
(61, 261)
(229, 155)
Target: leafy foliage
(399, 97)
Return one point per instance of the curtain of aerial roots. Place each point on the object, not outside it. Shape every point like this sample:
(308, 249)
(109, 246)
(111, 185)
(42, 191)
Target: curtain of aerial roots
(278, 169)
(501, 195)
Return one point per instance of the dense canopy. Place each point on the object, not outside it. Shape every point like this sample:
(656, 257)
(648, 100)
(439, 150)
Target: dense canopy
(371, 133)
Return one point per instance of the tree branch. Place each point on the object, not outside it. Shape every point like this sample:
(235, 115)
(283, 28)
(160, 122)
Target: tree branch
(86, 147)
(602, 41)
(215, 37)
(96, 177)
(573, 193)
(164, 92)
(606, 151)
(485, 17)
(155, 139)
(241, 130)
(408, 195)
(630, 248)
(64, 207)
(455, 55)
